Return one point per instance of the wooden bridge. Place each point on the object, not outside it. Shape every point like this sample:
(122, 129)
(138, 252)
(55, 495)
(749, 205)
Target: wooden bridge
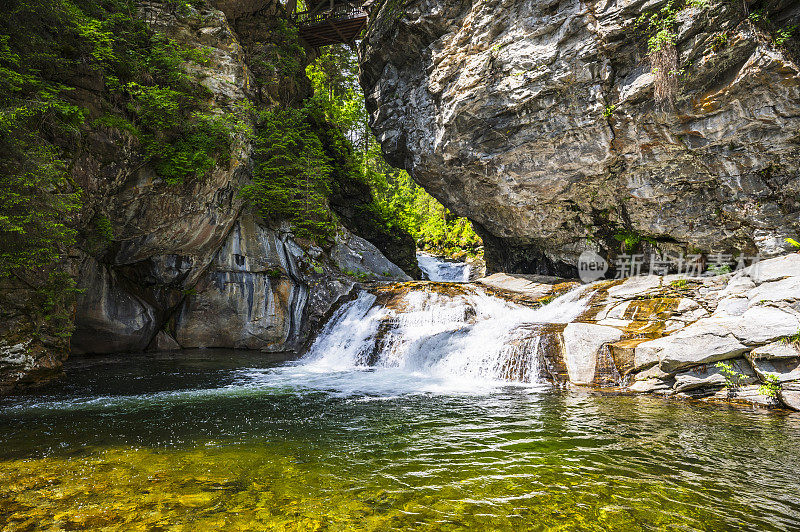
(332, 21)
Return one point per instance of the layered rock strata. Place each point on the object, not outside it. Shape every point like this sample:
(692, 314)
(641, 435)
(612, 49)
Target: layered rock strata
(537, 120)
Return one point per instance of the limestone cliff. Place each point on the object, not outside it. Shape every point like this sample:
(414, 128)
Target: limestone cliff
(537, 121)
(189, 264)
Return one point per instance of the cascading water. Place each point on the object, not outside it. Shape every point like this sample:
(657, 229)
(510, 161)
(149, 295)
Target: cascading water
(436, 269)
(466, 336)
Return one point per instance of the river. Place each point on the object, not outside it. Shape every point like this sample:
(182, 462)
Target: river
(413, 425)
(437, 269)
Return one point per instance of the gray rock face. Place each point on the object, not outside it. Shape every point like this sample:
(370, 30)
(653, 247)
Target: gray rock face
(790, 395)
(496, 108)
(785, 370)
(188, 265)
(110, 319)
(775, 350)
(712, 377)
(582, 344)
(237, 8)
(263, 291)
(711, 339)
(750, 312)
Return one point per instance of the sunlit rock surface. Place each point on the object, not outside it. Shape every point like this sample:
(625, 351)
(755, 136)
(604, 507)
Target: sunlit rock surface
(666, 334)
(496, 108)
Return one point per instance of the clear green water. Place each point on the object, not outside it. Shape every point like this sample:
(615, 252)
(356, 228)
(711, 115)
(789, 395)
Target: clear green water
(202, 442)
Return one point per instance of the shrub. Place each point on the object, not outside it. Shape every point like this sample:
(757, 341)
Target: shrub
(733, 378)
(292, 178)
(771, 386)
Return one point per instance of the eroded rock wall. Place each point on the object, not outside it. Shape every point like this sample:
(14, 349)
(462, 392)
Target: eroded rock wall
(190, 265)
(187, 265)
(537, 121)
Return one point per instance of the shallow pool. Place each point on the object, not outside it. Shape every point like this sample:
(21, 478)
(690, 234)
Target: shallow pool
(219, 440)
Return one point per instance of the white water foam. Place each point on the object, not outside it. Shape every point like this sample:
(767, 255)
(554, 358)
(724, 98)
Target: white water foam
(461, 342)
(436, 269)
(466, 343)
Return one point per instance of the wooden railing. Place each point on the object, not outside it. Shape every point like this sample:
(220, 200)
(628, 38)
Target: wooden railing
(340, 12)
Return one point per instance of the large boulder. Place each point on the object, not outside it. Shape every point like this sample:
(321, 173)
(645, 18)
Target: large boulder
(537, 121)
(712, 376)
(583, 343)
(790, 395)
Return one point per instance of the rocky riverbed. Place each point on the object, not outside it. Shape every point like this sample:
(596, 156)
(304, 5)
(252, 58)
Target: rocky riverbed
(666, 334)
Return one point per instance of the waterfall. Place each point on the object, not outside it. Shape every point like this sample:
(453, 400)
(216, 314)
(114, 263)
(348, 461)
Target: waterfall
(436, 269)
(450, 334)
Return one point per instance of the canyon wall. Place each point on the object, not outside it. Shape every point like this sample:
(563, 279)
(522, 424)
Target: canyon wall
(189, 265)
(537, 120)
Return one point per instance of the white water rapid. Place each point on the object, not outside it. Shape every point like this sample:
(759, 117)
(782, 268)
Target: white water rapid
(436, 269)
(463, 338)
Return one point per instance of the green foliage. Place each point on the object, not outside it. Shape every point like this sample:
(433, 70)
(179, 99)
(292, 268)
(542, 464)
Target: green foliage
(399, 202)
(334, 77)
(719, 269)
(546, 300)
(34, 202)
(758, 16)
(782, 37)
(630, 240)
(784, 34)
(660, 24)
(659, 27)
(662, 39)
(292, 177)
(608, 112)
(36, 196)
(54, 302)
(274, 273)
(793, 242)
(169, 115)
(733, 378)
(361, 276)
(793, 339)
(277, 64)
(771, 386)
(104, 229)
(678, 283)
(719, 42)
